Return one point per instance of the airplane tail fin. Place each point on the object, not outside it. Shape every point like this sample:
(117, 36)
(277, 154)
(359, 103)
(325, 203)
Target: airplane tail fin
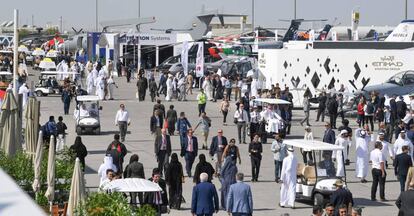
(404, 32)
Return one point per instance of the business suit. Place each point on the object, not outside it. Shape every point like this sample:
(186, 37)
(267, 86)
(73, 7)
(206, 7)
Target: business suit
(151, 197)
(216, 151)
(240, 200)
(404, 203)
(402, 163)
(162, 149)
(189, 155)
(155, 127)
(204, 199)
(329, 137)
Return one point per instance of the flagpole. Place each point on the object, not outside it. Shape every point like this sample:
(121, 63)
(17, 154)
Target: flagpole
(15, 53)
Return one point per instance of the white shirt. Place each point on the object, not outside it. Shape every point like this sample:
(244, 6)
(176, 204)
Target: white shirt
(241, 115)
(122, 115)
(376, 158)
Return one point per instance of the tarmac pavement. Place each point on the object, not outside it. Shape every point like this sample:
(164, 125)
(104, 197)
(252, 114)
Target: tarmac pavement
(140, 141)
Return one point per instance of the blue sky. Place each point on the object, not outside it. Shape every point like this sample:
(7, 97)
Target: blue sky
(177, 13)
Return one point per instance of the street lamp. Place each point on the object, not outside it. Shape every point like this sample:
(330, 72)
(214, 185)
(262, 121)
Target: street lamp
(294, 9)
(96, 15)
(406, 9)
(252, 15)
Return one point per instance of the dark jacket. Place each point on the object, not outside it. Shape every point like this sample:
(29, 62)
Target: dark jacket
(142, 84)
(402, 163)
(149, 196)
(332, 106)
(172, 115)
(329, 136)
(405, 203)
(60, 128)
(341, 196)
(203, 167)
(322, 101)
(185, 145)
(160, 107)
(80, 151)
(153, 123)
(204, 199)
(117, 150)
(158, 143)
(256, 146)
(401, 109)
(134, 170)
(182, 125)
(214, 147)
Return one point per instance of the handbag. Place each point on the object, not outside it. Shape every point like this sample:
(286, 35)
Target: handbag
(235, 121)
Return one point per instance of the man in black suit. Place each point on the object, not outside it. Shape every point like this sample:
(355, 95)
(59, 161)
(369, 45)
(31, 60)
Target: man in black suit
(328, 137)
(405, 202)
(158, 200)
(402, 163)
(189, 150)
(218, 144)
(162, 150)
(159, 106)
(156, 123)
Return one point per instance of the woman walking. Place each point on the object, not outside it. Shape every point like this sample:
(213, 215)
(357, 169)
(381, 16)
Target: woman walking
(255, 152)
(175, 179)
(80, 150)
(228, 177)
(224, 109)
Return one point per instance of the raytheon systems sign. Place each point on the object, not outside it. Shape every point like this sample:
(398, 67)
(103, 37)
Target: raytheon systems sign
(156, 39)
(387, 63)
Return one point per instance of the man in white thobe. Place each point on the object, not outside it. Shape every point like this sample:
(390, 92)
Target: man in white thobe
(208, 88)
(253, 90)
(169, 88)
(403, 141)
(339, 155)
(100, 88)
(25, 92)
(361, 144)
(386, 150)
(90, 83)
(288, 179)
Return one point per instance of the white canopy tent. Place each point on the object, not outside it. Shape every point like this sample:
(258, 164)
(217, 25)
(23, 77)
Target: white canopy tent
(271, 101)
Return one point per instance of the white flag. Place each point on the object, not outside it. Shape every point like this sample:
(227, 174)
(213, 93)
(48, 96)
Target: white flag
(184, 57)
(200, 60)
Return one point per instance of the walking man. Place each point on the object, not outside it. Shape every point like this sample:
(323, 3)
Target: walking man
(341, 196)
(218, 144)
(361, 144)
(405, 201)
(189, 150)
(378, 172)
(204, 200)
(239, 199)
(117, 150)
(279, 150)
(202, 101)
(242, 119)
(306, 109)
(162, 149)
(255, 152)
(402, 163)
(122, 120)
(321, 107)
(288, 178)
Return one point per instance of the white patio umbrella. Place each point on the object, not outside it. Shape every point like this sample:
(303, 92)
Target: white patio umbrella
(38, 162)
(32, 114)
(46, 64)
(22, 48)
(77, 188)
(38, 52)
(8, 125)
(50, 192)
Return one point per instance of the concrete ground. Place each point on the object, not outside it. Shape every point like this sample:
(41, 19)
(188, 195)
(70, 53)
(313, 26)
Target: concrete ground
(140, 141)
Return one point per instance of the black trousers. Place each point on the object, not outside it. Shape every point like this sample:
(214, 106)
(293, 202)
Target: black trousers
(254, 129)
(332, 120)
(201, 109)
(225, 115)
(255, 167)
(305, 155)
(377, 178)
(321, 112)
(370, 119)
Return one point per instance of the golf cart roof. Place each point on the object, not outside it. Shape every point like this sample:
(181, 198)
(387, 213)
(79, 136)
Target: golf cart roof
(87, 98)
(271, 101)
(312, 145)
(134, 185)
(5, 73)
(6, 51)
(55, 73)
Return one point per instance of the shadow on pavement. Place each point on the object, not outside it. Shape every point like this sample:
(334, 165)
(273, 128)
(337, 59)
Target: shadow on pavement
(368, 202)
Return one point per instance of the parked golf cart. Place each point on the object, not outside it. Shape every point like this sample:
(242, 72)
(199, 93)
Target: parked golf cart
(314, 181)
(48, 83)
(87, 115)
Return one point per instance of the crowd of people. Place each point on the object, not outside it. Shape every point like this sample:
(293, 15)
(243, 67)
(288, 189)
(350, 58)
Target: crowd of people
(255, 122)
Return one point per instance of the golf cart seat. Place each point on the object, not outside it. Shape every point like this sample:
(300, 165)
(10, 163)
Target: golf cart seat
(309, 175)
(299, 172)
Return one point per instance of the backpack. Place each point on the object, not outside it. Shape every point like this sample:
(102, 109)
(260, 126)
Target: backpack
(370, 108)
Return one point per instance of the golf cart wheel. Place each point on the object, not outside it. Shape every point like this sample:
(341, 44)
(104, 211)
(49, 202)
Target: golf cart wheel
(98, 131)
(78, 130)
(318, 200)
(39, 93)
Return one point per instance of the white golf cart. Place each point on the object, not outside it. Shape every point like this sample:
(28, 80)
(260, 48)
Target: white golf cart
(87, 115)
(274, 122)
(45, 87)
(316, 180)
